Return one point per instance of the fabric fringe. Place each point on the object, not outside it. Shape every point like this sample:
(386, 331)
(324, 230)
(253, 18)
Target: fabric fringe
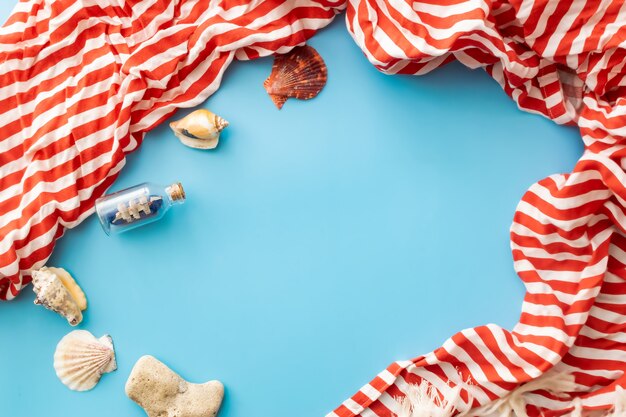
(423, 400)
(619, 409)
(514, 403)
(578, 408)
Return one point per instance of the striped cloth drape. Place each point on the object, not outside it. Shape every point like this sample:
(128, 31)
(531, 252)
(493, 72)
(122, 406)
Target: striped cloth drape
(82, 81)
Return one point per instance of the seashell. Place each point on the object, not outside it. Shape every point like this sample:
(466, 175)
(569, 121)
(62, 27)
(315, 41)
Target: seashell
(161, 392)
(80, 359)
(300, 74)
(57, 291)
(199, 129)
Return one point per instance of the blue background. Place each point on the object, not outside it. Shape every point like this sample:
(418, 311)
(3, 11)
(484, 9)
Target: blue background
(318, 243)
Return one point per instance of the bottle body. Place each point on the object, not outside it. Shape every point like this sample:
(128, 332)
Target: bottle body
(136, 206)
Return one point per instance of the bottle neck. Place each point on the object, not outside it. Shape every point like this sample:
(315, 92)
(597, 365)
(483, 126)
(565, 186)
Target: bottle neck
(175, 193)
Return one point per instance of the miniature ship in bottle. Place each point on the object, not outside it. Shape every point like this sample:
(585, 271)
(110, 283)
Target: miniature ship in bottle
(136, 206)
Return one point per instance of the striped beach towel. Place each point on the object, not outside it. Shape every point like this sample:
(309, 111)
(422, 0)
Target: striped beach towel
(82, 81)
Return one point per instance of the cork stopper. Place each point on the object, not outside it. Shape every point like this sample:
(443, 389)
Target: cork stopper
(176, 193)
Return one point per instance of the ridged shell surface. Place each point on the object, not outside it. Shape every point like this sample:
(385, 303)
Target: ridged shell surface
(300, 74)
(56, 290)
(80, 359)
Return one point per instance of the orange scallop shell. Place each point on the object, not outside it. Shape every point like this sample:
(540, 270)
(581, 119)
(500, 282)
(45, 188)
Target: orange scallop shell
(300, 74)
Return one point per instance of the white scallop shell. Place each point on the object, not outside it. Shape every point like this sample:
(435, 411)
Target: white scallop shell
(80, 359)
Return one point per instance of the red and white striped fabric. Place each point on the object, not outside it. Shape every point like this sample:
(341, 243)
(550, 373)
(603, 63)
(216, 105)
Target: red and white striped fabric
(82, 81)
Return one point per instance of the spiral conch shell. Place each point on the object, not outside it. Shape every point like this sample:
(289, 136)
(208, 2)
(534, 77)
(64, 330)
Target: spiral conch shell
(199, 129)
(80, 359)
(57, 291)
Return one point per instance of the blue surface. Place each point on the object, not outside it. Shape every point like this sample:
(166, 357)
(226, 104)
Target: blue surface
(318, 243)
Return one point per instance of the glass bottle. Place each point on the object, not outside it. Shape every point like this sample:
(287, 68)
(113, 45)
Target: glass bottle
(136, 206)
